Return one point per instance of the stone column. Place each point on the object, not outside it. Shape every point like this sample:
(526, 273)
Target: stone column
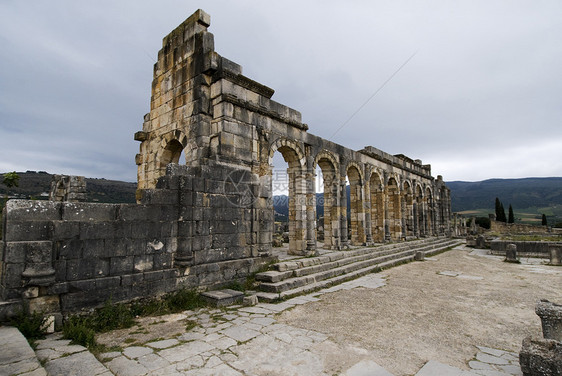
(367, 211)
(343, 213)
(387, 236)
(310, 208)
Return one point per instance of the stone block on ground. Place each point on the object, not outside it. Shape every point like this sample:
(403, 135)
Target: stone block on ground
(541, 357)
(221, 298)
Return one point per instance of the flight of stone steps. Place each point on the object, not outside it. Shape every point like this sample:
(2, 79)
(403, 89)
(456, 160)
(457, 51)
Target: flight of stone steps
(298, 276)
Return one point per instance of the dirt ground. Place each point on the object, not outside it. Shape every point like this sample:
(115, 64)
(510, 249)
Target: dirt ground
(422, 315)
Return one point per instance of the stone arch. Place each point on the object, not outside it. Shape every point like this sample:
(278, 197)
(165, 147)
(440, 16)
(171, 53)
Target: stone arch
(170, 148)
(377, 198)
(291, 151)
(407, 200)
(357, 174)
(297, 187)
(328, 156)
(329, 166)
(356, 199)
(393, 225)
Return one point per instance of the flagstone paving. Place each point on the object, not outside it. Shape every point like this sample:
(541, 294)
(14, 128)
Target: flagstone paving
(241, 341)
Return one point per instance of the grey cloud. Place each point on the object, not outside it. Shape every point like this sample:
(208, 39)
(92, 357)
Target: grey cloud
(76, 77)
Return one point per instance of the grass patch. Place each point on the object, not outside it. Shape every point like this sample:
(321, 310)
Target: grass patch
(190, 324)
(174, 302)
(82, 329)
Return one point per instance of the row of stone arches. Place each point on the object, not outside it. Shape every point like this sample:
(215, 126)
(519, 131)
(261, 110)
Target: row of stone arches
(382, 206)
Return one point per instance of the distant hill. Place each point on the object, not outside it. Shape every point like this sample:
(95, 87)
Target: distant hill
(520, 193)
(36, 185)
(538, 193)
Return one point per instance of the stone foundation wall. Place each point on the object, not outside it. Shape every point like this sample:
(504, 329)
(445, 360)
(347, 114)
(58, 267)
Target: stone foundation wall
(524, 248)
(191, 231)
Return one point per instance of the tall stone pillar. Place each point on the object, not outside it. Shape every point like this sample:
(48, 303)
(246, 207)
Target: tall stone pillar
(343, 213)
(367, 210)
(310, 208)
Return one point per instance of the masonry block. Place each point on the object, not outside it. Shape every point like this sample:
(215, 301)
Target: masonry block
(121, 265)
(66, 230)
(88, 211)
(68, 249)
(143, 263)
(25, 210)
(28, 230)
(15, 252)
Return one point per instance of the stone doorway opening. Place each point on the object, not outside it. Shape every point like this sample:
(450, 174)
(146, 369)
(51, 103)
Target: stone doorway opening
(288, 190)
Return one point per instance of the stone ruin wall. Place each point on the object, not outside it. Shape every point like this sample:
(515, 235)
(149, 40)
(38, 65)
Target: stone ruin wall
(68, 188)
(517, 228)
(210, 221)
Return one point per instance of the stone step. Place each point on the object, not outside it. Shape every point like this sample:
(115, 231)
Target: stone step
(337, 255)
(310, 261)
(298, 285)
(337, 259)
(295, 282)
(17, 357)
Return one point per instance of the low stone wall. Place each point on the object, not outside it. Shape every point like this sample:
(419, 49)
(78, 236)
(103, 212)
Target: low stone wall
(524, 248)
(517, 228)
(192, 231)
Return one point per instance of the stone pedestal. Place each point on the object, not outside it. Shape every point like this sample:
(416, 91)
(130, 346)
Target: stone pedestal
(419, 256)
(543, 356)
(511, 253)
(555, 254)
(551, 319)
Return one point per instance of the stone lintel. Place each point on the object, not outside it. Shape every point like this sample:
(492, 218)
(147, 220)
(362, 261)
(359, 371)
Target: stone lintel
(262, 111)
(244, 81)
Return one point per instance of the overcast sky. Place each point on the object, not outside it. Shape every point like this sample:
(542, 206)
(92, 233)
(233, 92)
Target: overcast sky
(480, 98)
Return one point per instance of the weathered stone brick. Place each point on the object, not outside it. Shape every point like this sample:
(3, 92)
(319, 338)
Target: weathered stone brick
(27, 230)
(11, 275)
(14, 252)
(24, 210)
(143, 263)
(121, 265)
(68, 249)
(131, 279)
(88, 211)
(66, 230)
(97, 230)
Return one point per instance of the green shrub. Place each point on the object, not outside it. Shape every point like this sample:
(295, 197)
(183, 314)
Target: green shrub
(31, 325)
(173, 302)
(483, 222)
(111, 316)
(77, 329)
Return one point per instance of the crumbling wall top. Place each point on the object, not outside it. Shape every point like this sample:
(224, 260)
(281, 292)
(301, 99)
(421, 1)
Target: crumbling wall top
(198, 21)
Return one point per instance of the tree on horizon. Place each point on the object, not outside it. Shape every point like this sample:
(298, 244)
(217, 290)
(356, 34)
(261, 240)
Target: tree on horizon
(511, 218)
(500, 211)
(544, 223)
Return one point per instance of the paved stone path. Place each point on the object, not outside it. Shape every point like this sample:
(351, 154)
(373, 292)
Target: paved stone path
(16, 356)
(234, 341)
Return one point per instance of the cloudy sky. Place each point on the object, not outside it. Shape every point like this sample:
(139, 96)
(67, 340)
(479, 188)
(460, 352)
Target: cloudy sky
(480, 95)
